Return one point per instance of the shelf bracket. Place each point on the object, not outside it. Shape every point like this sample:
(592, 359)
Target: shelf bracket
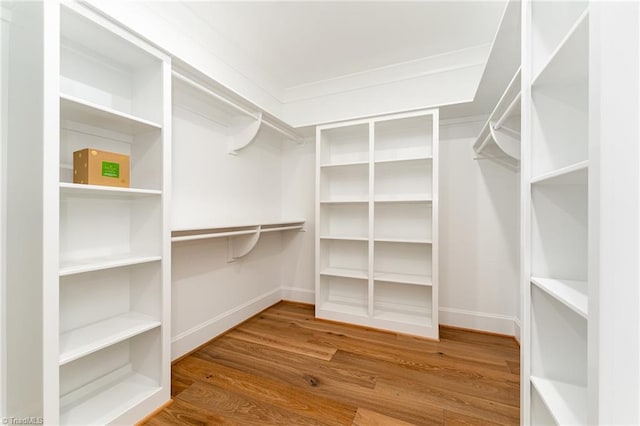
(241, 245)
(244, 133)
(507, 143)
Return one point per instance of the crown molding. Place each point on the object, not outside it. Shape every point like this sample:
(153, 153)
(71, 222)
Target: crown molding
(410, 70)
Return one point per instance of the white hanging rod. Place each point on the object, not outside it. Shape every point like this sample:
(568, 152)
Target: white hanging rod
(507, 112)
(239, 108)
(212, 235)
(209, 92)
(291, 136)
(502, 160)
(484, 142)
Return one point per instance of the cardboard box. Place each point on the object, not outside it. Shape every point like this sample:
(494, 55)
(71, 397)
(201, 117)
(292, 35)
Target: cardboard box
(94, 167)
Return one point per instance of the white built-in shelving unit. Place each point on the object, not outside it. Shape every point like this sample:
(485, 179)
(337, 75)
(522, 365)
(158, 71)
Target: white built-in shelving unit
(377, 221)
(499, 139)
(102, 254)
(113, 242)
(556, 383)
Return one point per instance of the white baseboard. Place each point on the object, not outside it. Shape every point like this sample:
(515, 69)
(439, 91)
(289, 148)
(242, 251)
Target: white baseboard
(516, 329)
(298, 295)
(196, 336)
(202, 333)
(481, 321)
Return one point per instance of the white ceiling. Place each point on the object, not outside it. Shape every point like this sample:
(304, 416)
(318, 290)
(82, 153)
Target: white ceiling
(297, 43)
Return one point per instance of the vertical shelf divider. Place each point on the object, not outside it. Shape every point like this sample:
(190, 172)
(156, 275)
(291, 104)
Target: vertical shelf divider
(435, 173)
(371, 248)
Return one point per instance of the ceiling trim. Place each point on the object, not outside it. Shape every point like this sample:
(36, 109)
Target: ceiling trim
(432, 90)
(410, 70)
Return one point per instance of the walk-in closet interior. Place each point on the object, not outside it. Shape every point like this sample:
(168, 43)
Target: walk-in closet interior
(400, 166)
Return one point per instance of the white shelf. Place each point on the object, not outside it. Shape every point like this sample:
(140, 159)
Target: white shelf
(344, 145)
(402, 241)
(345, 164)
(400, 160)
(346, 201)
(76, 189)
(419, 318)
(103, 400)
(571, 293)
(357, 309)
(392, 277)
(345, 273)
(567, 403)
(565, 65)
(499, 138)
(329, 237)
(81, 111)
(409, 137)
(101, 263)
(570, 175)
(403, 199)
(83, 341)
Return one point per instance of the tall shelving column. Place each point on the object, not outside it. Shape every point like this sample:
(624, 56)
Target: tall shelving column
(114, 243)
(556, 363)
(405, 238)
(342, 221)
(377, 204)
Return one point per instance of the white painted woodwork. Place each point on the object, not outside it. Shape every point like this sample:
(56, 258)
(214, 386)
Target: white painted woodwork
(499, 139)
(240, 122)
(376, 222)
(31, 239)
(557, 211)
(99, 257)
(571, 293)
(479, 241)
(614, 208)
(241, 239)
(566, 403)
(5, 21)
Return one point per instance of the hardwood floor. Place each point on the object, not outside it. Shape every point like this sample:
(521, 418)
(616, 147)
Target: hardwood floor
(285, 367)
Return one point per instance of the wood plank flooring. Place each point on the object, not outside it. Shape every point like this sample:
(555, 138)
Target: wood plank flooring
(285, 367)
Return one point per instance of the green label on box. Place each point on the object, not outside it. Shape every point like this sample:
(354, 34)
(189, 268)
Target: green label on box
(110, 169)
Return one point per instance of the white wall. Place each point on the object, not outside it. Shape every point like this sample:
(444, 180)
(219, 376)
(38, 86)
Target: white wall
(298, 200)
(479, 236)
(213, 188)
